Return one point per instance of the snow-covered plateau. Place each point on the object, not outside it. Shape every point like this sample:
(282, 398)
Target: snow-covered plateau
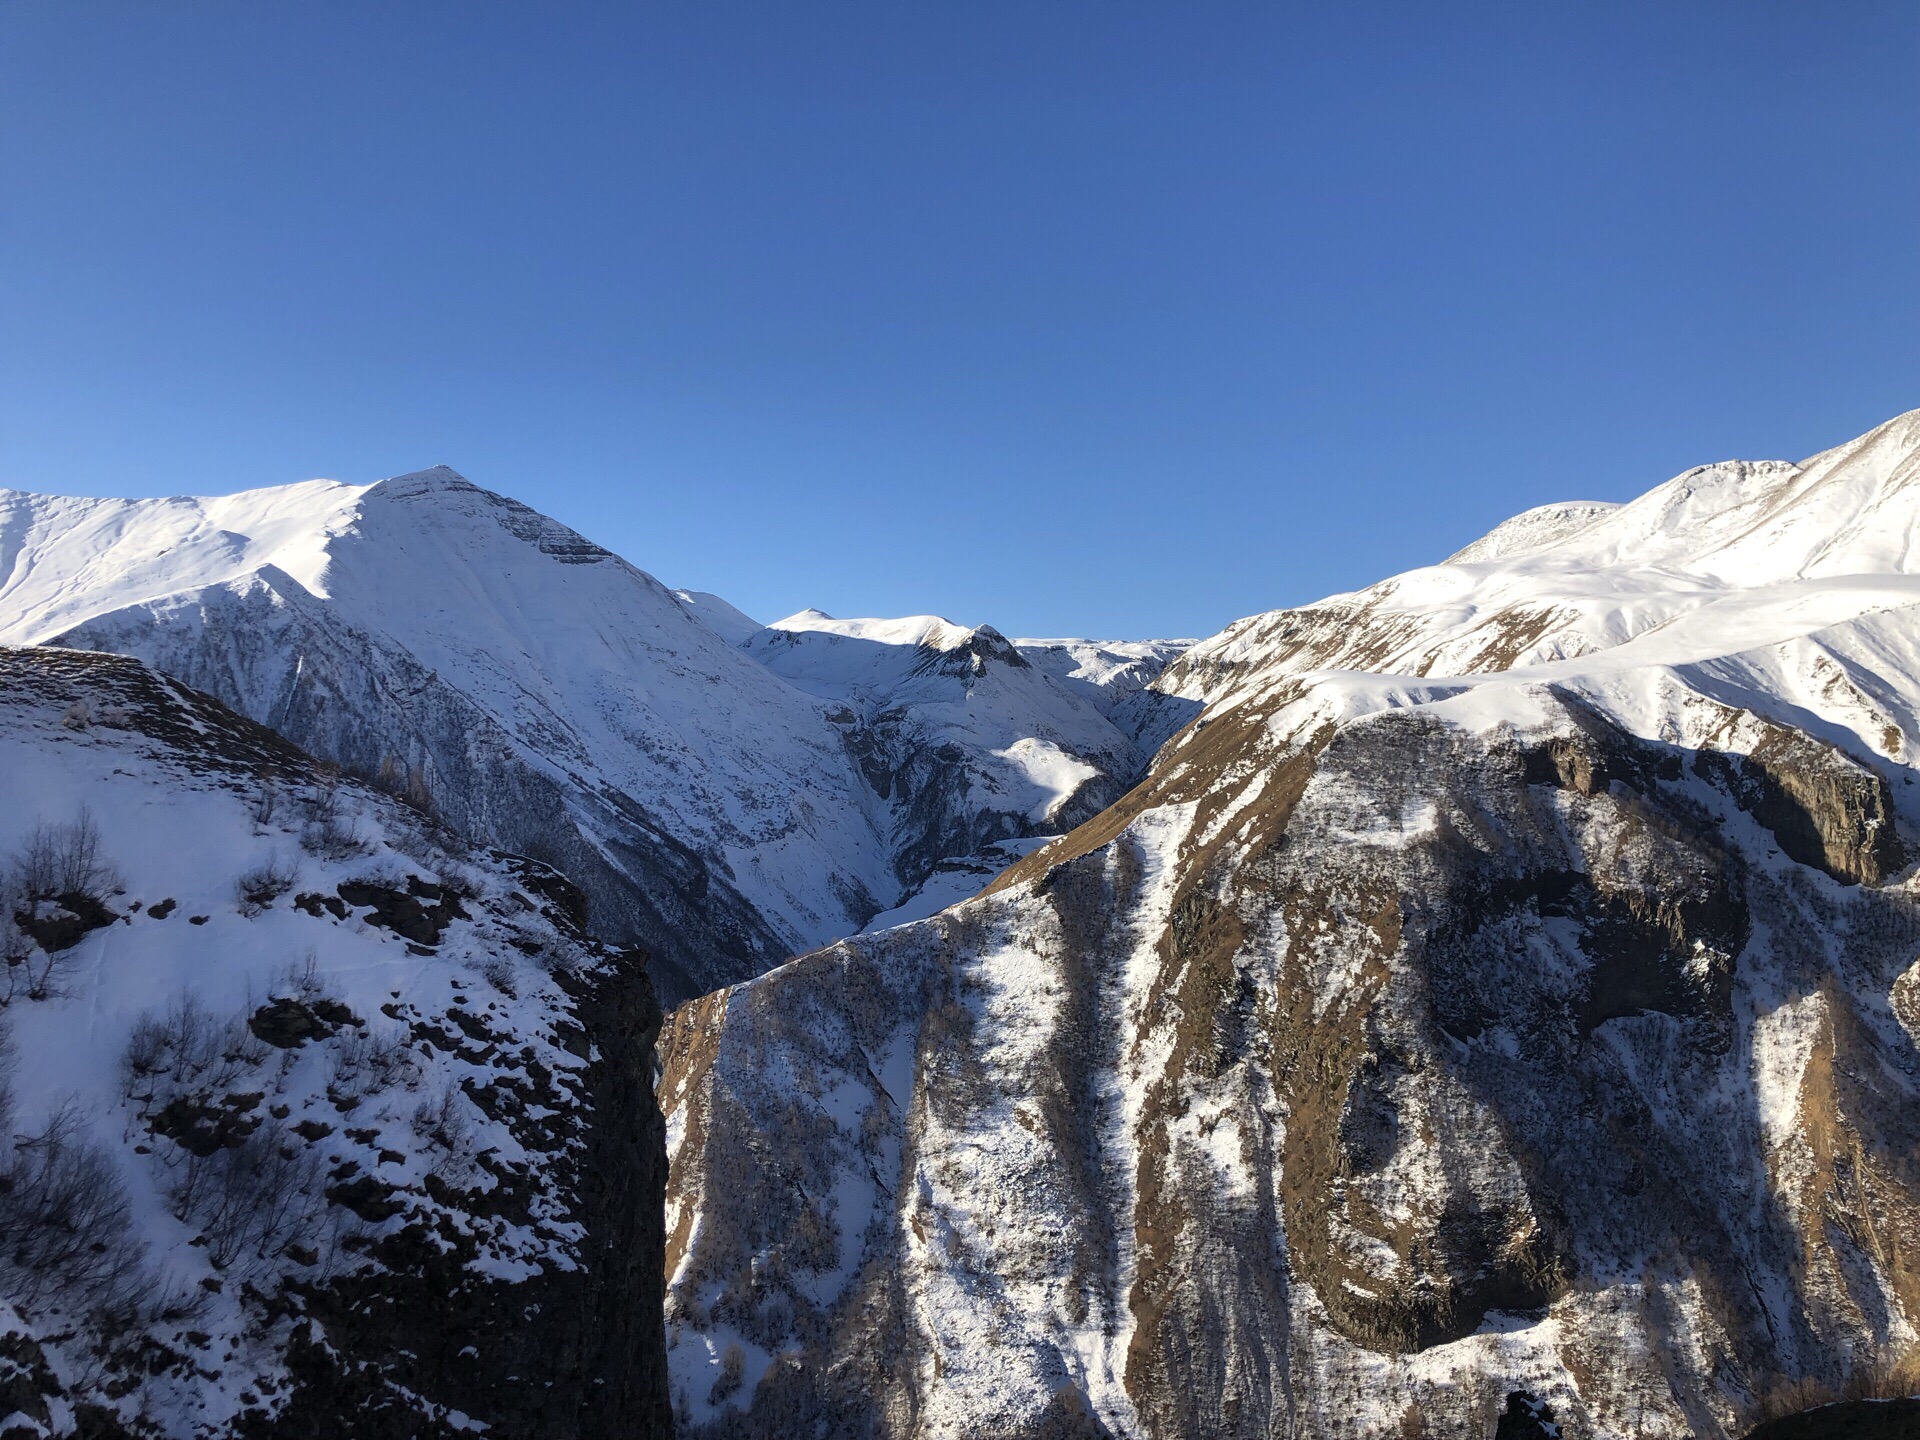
(1500, 997)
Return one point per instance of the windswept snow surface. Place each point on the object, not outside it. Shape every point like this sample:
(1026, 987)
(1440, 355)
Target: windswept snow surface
(1533, 529)
(722, 802)
(732, 625)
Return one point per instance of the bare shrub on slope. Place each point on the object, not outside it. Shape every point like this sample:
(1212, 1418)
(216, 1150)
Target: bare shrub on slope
(259, 887)
(56, 861)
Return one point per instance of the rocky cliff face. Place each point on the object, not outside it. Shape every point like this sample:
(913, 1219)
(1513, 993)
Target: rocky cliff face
(1505, 986)
(319, 1122)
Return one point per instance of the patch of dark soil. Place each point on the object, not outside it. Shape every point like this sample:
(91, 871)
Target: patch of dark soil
(1849, 1420)
(319, 906)
(288, 1023)
(420, 913)
(65, 921)
(200, 1125)
(372, 1200)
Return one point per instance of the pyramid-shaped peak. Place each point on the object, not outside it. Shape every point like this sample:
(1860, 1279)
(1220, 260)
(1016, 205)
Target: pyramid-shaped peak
(435, 479)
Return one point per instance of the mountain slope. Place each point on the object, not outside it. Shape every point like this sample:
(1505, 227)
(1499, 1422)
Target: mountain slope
(306, 1109)
(1505, 985)
(544, 694)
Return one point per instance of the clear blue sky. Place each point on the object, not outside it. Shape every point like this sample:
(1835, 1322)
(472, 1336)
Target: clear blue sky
(1089, 318)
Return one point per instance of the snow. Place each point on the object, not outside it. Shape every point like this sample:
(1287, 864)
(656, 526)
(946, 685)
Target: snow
(1106, 664)
(732, 625)
(792, 756)
(953, 880)
(1533, 530)
(114, 553)
(912, 632)
(1036, 748)
(1783, 1044)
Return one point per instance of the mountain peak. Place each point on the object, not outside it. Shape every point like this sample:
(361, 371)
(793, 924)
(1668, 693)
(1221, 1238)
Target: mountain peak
(434, 480)
(1533, 530)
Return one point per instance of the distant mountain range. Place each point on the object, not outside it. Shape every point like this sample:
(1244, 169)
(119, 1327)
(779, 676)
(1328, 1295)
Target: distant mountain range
(1485, 1000)
(728, 794)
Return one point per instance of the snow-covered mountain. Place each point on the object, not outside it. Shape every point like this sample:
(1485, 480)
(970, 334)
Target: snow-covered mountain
(969, 741)
(310, 1107)
(1501, 996)
(718, 801)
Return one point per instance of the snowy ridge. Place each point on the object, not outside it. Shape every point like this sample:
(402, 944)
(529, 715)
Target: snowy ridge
(730, 624)
(934, 708)
(1121, 665)
(1719, 559)
(1532, 530)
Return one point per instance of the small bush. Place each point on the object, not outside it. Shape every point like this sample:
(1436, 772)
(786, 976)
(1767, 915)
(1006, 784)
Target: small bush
(57, 860)
(261, 886)
(300, 981)
(364, 1062)
(458, 881)
(145, 1056)
(65, 1221)
(332, 831)
(385, 874)
(499, 972)
(349, 1059)
(442, 1121)
(186, 1051)
(15, 945)
(266, 798)
(251, 1199)
(407, 783)
(26, 969)
(252, 1191)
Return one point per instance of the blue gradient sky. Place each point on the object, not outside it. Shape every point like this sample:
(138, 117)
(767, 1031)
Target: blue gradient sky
(1074, 318)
